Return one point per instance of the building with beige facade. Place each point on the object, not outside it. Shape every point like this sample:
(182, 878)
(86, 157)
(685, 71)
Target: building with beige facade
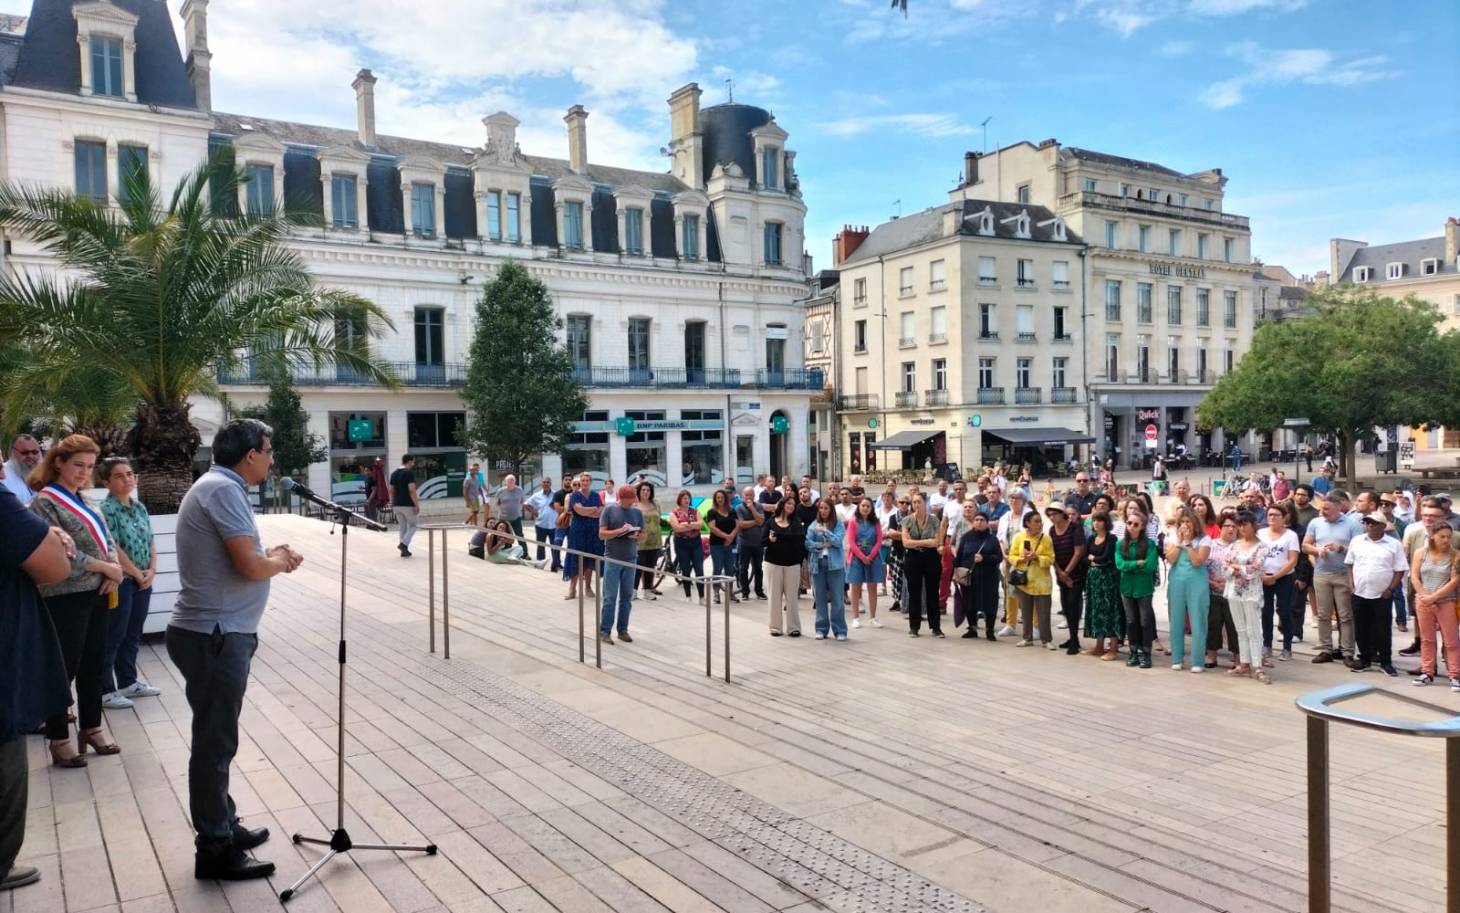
(957, 339)
(819, 357)
(1169, 277)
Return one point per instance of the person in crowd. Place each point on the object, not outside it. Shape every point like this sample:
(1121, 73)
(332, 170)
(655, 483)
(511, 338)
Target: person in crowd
(1030, 557)
(1404, 508)
(33, 682)
(25, 455)
(785, 552)
(1415, 540)
(808, 483)
(922, 543)
(508, 502)
(494, 542)
(1009, 526)
(724, 529)
(621, 529)
(1219, 613)
(1326, 542)
(1278, 576)
(78, 605)
(771, 494)
(846, 506)
(406, 502)
(131, 529)
(1435, 575)
(995, 506)
(563, 519)
(584, 506)
(750, 568)
(377, 489)
(1188, 589)
(1323, 482)
(1376, 566)
(1365, 503)
(1282, 487)
(866, 561)
(1158, 473)
(1103, 504)
(539, 509)
(223, 580)
(953, 533)
(1206, 515)
(976, 573)
(939, 498)
(826, 553)
(1082, 499)
(652, 542)
(1244, 562)
(1394, 529)
(833, 493)
(952, 517)
(685, 525)
(608, 492)
(806, 513)
(1104, 617)
(1068, 540)
(891, 520)
(855, 489)
(471, 491)
(1181, 491)
(1135, 559)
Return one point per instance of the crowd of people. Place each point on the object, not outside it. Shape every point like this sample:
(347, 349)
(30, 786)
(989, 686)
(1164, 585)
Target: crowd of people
(1239, 580)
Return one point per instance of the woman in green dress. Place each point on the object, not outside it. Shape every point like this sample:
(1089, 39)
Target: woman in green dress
(1104, 616)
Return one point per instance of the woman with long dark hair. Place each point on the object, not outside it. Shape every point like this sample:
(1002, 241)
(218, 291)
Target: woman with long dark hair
(724, 531)
(922, 567)
(866, 566)
(1104, 616)
(78, 605)
(653, 541)
(785, 549)
(1135, 559)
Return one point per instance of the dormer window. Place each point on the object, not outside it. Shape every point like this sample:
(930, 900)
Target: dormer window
(259, 191)
(1394, 270)
(691, 209)
(984, 222)
(634, 232)
(1056, 228)
(1429, 266)
(1363, 273)
(573, 225)
(689, 237)
(423, 210)
(106, 66)
(1021, 224)
(770, 168)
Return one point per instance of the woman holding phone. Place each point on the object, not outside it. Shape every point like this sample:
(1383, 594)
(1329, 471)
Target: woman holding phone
(785, 549)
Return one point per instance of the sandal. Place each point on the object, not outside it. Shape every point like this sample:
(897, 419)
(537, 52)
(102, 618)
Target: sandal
(91, 738)
(1240, 670)
(60, 760)
(1262, 677)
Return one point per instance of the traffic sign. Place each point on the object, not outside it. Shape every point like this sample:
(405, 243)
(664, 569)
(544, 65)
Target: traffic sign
(1150, 432)
(779, 424)
(624, 425)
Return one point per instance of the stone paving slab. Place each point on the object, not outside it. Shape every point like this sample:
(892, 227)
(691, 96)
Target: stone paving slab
(880, 774)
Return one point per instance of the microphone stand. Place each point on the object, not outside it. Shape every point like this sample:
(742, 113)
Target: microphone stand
(339, 841)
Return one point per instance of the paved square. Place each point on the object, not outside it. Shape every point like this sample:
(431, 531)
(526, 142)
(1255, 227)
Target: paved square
(881, 774)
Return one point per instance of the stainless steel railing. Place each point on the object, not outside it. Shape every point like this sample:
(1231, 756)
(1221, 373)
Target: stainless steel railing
(708, 583)
(1322, 707)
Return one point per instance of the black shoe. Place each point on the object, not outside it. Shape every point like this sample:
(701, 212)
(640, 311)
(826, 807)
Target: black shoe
(246, 839)
(1411, 650)
(1134, 659)
(794, 634)
(1072, 649)
(1145, 659)
(938, 632)
(760, 596)
(1359, 667)
(989, 634)
(624, 637)
(970, 634)
(1390, 671)
(1323, 658)
(235, 865)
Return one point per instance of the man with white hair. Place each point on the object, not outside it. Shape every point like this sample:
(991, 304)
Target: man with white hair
(507, 505)
(25, 455)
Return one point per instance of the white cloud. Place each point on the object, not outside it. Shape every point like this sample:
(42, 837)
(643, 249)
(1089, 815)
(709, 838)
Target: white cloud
(1176, 48)
(1130, 16)
(1308, 66)
(1238, 7)
(931, 125)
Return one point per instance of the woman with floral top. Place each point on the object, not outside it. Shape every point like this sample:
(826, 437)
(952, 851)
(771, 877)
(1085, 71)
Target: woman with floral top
(1244, 595)
(131, 527)
(1219, 617)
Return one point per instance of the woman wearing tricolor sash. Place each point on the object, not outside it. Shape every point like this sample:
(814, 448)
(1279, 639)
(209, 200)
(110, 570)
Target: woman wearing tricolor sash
(78, 605)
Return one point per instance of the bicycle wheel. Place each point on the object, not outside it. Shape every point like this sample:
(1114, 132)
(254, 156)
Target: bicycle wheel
(663, 567)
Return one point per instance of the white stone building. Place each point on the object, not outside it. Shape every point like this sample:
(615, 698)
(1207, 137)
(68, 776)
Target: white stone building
(679, 291)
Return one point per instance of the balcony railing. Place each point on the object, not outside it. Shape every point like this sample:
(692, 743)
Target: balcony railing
(987, 280)
(1111, 201)
(1112, 312)
(857, 402)
(988, 334)
(936, 338)
(1026, 336)
(935, 397)
(991, 396)
(1028, 396)
(699, 378)
(1026, 283)
(905, 399)
(906, 342)
(407, 373)
(1061, 283)
(1063, 338)
(1062, 395)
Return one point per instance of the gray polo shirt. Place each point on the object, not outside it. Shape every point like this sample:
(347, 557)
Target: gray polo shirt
(623, 548)
(211, 594)
(507, 505)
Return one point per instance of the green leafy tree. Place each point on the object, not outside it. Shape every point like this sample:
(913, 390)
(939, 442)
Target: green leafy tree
(155, 298)
(296, 448)
(521, 394)
(1358, 361)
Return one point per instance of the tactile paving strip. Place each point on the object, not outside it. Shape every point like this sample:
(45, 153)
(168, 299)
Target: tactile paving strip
(836, 873)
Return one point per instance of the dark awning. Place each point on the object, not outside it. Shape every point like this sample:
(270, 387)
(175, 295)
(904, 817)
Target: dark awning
(905, 440)
(1039, 437)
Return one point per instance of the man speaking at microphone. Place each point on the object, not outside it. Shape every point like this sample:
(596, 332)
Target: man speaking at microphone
(224, 576)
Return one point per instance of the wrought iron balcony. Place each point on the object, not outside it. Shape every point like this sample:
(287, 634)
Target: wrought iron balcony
(906, 342)
(991, 396)
(1028, 336)
(905, 399)
(988, 334)
(1132, 204)
(1062, 395)
(698, 378)
(935, 397)
(937, 338)
(1028, 396)
(858, 402)
(407, 373)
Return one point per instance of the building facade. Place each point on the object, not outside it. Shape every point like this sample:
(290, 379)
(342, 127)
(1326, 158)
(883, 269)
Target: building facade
(1169, 278)
(819, 340)
(679, 292)
(957, 339)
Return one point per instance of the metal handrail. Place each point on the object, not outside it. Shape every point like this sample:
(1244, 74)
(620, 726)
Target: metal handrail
(708, 582)
(1320, 708)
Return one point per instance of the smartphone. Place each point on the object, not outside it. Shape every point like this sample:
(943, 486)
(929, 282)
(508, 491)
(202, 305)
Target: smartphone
(1028, 547)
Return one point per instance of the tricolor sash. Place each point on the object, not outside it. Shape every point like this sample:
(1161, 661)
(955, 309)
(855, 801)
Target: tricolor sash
(77, 508)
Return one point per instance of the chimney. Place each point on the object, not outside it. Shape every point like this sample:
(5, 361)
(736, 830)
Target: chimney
(846, 243)
(577, 121)
(686, 143)
(198, 58)
(364, 86)
(1452, 240)
(970, 169)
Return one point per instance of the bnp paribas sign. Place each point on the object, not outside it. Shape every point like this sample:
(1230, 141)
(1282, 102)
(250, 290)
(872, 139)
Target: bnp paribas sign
(1165, 268)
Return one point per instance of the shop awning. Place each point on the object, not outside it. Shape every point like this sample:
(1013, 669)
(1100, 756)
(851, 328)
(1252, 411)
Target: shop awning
(905, 440)
(1038, 437)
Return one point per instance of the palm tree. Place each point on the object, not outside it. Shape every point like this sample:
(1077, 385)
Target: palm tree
(152, 300)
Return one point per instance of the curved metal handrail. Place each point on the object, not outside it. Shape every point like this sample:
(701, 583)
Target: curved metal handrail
(1321, 704)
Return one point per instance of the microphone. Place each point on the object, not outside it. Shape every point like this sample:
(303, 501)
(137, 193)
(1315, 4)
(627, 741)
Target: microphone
(302, 491)
(338, 511)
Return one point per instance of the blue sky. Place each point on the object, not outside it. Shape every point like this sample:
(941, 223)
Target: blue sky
(1330, 117)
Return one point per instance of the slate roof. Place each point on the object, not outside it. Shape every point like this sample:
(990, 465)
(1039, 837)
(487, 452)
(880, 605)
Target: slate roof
(1118, 161)
(923, 227)
(1410, 253)
(49, 61)
(9, 57)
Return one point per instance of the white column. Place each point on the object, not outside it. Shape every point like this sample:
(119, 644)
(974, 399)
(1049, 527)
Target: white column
(83, 42)
(406, 193)
(588, 224)
(797, 447)
(441, 207)
(673, 459)
(361, 204)
(618, 457)
(327, 181)
(113, 172)
(129, 78)
(319, 424)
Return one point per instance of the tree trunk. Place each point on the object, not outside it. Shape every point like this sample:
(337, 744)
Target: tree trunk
(1346, 457)
(163, 444)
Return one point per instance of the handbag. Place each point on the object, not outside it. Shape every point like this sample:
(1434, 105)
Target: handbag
(565, 518)
(962, 576)
(1019, 576)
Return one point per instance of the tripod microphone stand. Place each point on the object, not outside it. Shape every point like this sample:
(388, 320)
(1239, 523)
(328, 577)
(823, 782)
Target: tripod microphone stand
(339, 841)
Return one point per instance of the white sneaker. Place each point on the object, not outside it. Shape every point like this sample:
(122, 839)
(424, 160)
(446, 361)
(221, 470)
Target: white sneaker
(875, 623)
(1006, 631)
(1050, 646)
(856, 622)
(1199, 667)
(820, 636)
(541, 564)
(1063, 625)
(140, 689)
(115, 700)
(1025, 643)
(649, 595)
(1176, 667)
